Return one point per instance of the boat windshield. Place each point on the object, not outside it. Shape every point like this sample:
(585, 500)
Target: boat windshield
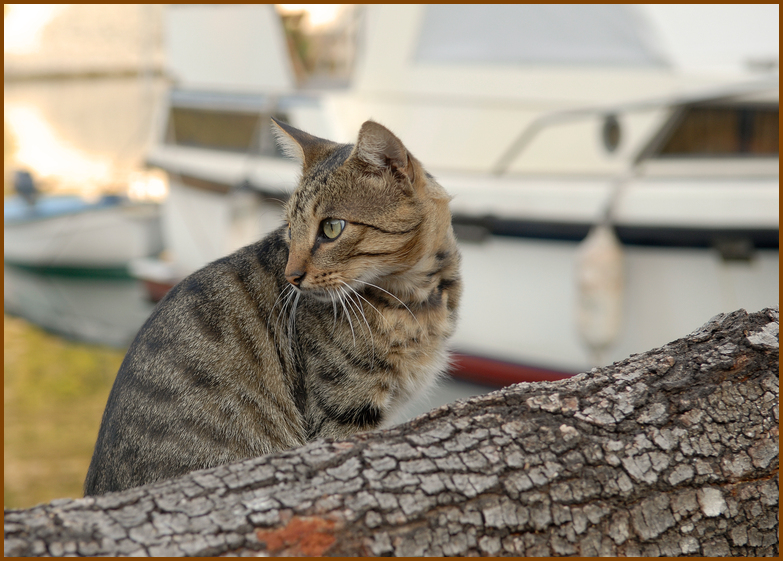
(715, 131)
(225, 129)
(537, 34)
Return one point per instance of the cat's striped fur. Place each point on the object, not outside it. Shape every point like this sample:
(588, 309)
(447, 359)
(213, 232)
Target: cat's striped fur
(297, 336)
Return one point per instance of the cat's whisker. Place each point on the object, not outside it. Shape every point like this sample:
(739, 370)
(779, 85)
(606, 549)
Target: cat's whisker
(368, 302)
(356, 312)
(334, 311)
(393, 296)
(286, 297)
(291, 293)
(292, 322)
(350, 323)
(280, 296)
(281, 299)
(276, 200)
(360, 309)
(367, 323)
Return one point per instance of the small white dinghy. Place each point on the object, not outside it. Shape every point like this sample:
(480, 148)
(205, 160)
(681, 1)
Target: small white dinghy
(71, 234)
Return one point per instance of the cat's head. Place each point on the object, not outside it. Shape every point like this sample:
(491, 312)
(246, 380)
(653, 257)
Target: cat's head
(362, 213)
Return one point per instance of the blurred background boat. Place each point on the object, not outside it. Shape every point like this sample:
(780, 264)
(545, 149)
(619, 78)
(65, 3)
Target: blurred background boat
(74, 235)
(604, 202)
(85, 306)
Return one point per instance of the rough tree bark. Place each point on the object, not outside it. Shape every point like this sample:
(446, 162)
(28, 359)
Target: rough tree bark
(671, 452)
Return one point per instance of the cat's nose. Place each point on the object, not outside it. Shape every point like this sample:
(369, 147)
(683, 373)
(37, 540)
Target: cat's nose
(295, 277)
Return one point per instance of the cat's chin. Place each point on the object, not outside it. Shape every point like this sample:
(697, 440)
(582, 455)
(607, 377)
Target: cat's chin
(318, 294)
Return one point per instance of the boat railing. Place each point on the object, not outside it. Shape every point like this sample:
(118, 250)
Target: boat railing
(539, 123)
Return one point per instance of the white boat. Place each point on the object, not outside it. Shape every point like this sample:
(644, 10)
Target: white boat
(214, 135)
(104, 310)
(68, 234)
(604, 203)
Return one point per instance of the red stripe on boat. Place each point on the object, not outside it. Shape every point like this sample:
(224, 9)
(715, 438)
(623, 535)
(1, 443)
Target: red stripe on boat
(156, 290)
(488, 371)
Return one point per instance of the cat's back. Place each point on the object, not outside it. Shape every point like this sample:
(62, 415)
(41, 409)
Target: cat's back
(206, 380)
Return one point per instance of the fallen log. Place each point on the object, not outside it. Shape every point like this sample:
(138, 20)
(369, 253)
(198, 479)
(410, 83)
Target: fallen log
(670, 452)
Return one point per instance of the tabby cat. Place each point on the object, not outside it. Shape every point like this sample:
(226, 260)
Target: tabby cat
(323, 328)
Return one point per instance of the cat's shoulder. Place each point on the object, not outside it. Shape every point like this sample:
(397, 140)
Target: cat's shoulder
(264, 258)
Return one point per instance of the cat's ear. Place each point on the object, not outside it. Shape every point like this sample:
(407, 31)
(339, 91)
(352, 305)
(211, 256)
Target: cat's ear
(379, 147)
(300, 145)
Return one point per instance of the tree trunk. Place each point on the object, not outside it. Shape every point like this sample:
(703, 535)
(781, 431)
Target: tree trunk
(671, 452)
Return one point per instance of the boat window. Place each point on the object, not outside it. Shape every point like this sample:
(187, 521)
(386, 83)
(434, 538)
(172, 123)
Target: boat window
(710, 131)
(234, 131)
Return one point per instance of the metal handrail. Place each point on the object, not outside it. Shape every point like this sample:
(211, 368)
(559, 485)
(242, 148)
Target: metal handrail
(564, 115)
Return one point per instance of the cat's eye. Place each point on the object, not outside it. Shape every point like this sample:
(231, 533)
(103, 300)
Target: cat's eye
(332, 227)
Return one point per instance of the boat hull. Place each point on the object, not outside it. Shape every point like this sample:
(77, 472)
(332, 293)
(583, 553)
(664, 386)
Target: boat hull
(520, 300)
(106, 311)
(93, 241)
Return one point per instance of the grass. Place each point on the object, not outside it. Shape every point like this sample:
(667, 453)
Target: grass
(54, 394)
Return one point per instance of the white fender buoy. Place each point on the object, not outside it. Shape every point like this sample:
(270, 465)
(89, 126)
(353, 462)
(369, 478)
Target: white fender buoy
(600, 286)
